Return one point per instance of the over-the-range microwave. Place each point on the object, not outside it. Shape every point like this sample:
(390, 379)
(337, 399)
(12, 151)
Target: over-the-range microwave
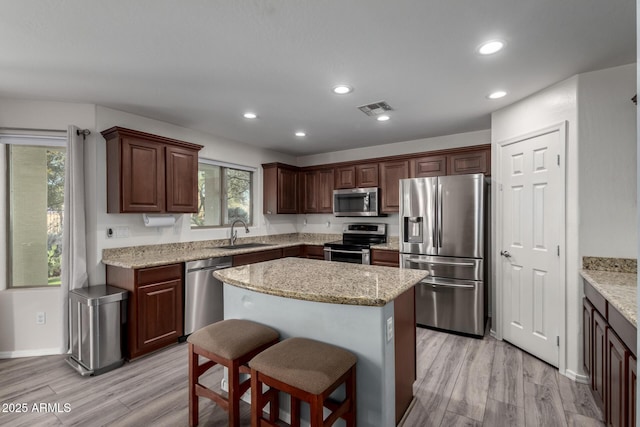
(356, 202)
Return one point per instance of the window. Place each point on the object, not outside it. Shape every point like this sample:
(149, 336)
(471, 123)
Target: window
(35, 209)
(224, 194)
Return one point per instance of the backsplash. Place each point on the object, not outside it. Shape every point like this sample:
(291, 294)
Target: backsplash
(617, 265)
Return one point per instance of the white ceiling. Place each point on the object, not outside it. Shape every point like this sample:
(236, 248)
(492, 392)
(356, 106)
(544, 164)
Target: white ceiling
(201, 64)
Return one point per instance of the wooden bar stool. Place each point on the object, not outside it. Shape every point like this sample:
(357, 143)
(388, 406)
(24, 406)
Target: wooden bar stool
(231, 343)
(308, 371)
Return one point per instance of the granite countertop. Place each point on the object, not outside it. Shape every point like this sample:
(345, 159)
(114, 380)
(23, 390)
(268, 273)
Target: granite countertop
(323, 281)
(155, 255)
(619, 289)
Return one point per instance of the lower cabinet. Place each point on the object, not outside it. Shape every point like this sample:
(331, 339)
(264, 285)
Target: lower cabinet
(253, 257)
(154, 308)
(313, 251)
(385, 257)
(610, 364)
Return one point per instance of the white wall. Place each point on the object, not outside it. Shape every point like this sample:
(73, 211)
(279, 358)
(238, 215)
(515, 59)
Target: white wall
(607, 159)
(548, 107)
(19, 334)
(397, 148)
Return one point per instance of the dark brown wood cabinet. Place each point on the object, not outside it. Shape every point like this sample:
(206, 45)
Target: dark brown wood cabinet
(611, 340)
(387, 258)
(150, 174)
(390, 175)
(280, 184)
(317, 191)
(616, 381)
(598, 369)
(426, 166)
(292, 251)
(367, 175)
(587, 336)
(345, 177)
(313, 251)
(469, 162)
(154, 308)
(404, 310)
(253, 257)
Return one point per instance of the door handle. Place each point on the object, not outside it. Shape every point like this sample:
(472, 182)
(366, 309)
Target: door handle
(505, 254)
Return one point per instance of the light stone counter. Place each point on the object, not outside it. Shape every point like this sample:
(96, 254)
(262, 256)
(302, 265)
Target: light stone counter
(619, 289)
(155, 255)
(323, 281)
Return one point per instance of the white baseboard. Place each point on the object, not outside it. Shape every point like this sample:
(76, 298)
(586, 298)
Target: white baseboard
(30, 353)
(576, 377)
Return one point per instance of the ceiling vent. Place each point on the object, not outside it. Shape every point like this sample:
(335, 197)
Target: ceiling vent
(376, 108)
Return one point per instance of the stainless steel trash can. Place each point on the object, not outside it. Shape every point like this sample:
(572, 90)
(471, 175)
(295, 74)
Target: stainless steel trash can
(97, 319)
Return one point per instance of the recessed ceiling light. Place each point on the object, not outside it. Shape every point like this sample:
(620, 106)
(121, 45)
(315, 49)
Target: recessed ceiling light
(497, 94)
(490, 47)
(249, 115)
(300, 133)
(383, 118)
(342, 89)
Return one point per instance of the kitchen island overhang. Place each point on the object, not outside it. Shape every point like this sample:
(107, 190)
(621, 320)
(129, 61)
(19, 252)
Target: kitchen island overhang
(368, 310)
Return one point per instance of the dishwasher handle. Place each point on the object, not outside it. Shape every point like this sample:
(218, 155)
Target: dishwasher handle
(210, 267)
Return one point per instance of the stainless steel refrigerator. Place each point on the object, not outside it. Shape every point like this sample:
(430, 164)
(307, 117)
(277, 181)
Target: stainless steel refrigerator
(442, 230)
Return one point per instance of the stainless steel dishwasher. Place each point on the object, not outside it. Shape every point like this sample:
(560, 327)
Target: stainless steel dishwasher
(203, 293)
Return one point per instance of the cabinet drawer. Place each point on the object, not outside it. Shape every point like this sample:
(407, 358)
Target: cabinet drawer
(159, 274)
(254, 257)
(314, 252)
(384, 257)
(293, 251)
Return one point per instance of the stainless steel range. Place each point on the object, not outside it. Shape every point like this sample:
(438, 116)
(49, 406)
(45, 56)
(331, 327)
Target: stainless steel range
(355, 246)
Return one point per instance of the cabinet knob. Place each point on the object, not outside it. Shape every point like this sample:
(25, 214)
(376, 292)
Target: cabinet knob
(268, 212)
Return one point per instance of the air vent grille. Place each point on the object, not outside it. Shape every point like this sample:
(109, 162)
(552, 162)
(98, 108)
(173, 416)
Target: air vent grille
(376, 108)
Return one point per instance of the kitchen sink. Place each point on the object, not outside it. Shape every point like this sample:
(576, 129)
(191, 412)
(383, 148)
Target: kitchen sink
(242, 246)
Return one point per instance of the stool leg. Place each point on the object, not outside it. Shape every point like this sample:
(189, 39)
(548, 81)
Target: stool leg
(295, 412)
(256, 399)
(316, 417)
(274, 405)
(351, 394)
(234, 391)
(193, 398)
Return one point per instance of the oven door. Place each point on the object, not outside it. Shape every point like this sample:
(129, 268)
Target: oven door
(354, 256)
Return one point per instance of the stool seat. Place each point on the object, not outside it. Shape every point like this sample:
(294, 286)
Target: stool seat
(232, 338)
(306, 364)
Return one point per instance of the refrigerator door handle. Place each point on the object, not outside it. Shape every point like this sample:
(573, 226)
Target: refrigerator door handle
(459, 264)
(440, 219)
(435, 217)
(441, 285)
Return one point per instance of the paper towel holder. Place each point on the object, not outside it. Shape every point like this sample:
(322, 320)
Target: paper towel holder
(158, 220)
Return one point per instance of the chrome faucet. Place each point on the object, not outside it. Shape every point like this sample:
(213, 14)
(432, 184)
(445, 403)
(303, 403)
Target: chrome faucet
(234, 234)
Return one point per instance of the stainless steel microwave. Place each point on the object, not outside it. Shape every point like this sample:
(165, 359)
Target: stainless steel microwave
(356, 202)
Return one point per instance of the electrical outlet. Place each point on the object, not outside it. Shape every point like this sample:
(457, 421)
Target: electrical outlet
(41, 318)
(389, 329)
(110, 232)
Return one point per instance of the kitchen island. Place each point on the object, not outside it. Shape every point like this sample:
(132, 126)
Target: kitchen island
(366, 309)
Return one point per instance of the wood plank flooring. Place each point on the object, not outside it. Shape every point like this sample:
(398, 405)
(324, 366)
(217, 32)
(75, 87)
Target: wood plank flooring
(461, 382)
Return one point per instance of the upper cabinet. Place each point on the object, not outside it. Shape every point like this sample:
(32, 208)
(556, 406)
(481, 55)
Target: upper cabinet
(150, 174)
(280, 189)
(390, 174)
(317, 187)
(477, 161)
(426, 166)
(356, 176)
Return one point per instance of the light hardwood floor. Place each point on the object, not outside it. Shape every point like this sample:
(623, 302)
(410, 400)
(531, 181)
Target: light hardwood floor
(461, 382)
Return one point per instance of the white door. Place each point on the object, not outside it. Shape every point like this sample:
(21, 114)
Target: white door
(532, 208)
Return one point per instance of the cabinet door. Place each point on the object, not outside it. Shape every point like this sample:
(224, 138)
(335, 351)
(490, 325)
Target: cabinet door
(587, 335)
(314, 252)
(181, 180)
(385, 258)
(345, 177)
(616, 384)
(325, 191)
(632, 377)
(253, 257)
(159, 314)
(367, 175)
(598, 368)
(142, 183)
(310, 191)
(428, 166)
(287, 191)
(390, 175)
(469, 162)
